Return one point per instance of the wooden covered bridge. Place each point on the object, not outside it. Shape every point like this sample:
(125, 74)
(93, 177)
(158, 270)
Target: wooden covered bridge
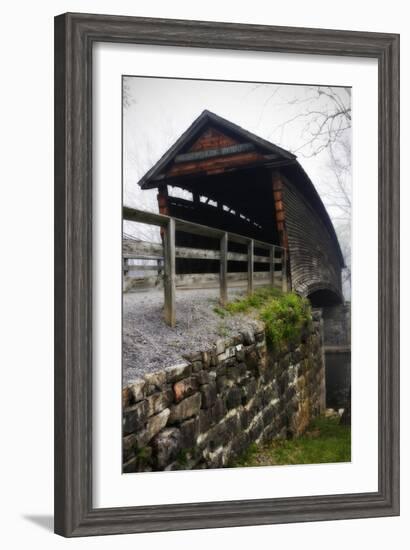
(245, 191)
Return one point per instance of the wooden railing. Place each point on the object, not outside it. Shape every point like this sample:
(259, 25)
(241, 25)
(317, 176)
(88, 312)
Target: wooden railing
(152, 251)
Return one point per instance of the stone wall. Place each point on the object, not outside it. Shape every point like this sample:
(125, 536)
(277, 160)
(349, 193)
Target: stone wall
(207, 410)
(336, 325)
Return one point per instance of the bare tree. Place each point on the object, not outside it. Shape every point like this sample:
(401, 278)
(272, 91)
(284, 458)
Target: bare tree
(322, 118)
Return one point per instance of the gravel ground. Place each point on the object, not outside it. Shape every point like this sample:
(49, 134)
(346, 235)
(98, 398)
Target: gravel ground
(150, 345)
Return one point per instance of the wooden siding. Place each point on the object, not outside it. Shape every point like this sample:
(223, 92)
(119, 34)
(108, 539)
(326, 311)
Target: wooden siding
(212, 138)
(314, 262)
(214, 165)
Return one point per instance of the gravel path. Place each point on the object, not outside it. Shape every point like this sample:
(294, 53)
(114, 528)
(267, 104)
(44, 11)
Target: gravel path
(150, 345)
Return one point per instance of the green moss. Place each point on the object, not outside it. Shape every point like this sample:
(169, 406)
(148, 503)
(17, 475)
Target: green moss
(184, 456)
(325, 441)
(144, 453)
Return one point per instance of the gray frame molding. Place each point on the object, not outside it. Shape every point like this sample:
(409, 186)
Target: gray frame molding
(74, 38)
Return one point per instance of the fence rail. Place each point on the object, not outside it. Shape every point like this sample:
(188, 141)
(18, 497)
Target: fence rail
(165, 254)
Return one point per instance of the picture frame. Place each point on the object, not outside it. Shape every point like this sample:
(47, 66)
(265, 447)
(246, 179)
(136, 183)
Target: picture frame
(75, 35)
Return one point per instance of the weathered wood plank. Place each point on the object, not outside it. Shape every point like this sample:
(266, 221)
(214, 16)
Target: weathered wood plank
(141, 248)
(250, 267)
(223, 298)
(284, 271)
(146, 250)
(169, 273)
(209, 165)
(272, 261)
(135, 215)
(145, 268)
(217, 152)
(196, 253)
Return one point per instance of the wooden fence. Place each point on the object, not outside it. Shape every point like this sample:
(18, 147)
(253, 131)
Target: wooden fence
(168, 252)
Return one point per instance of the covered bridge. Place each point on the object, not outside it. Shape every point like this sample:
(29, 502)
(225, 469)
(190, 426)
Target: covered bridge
(238, 182)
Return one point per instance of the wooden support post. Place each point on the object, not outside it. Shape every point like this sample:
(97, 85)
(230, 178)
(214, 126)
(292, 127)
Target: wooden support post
(169, 273)
(125, 266)
(272, 265)
(223, 273)
(250, 266)
(284, 271)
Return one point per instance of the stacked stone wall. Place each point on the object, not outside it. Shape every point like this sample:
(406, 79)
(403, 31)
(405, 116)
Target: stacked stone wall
(205, 411)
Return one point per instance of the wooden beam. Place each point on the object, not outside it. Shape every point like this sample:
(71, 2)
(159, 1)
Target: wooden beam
(145, 268)
(169, 273)
(146, 251)
(141, 216)
(272, 265)
(217, 152)
(131, 248)
(151, 218)
(284, 271)
(223, 270)
(250, 267)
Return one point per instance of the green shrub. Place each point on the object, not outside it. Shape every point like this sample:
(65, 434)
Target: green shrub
(253, 301)
(284, 319)
(284, 315)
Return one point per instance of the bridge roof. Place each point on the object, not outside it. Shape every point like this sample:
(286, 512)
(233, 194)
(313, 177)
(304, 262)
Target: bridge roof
(213, 144)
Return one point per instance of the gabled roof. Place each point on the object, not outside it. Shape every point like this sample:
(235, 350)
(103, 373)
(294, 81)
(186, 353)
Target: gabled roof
(204, 119)
(291, 166)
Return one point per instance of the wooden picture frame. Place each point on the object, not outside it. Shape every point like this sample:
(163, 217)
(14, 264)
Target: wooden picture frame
(75, 35)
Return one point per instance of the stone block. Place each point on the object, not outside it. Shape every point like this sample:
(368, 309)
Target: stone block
(206, 359)
(178, 372)
(126, 397)
(233, 398)
(134, 417)
(197, 366)
(256, 428)
(205, 421)
(156, 380)
(130, 466)
(220, 370)
(185, 387)
(248, 337)
(268, 415)
(140, 463)
(157, 402)
(208, 393)
(240, 353)
(223, 384)
(252, 360)
(203, 377)
(166, 445)
(220, 346)
(156, 423)
(186, 408)
(189, 432)
(240, 443)
(249, 390)
(138, 390)
(129, 444)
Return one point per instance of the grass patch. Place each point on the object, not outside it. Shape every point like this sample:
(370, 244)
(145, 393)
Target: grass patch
(253, 301)
(324, 441)
(284, 315)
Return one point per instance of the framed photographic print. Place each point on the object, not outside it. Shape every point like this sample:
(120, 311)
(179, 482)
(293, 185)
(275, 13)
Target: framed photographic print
(226, 274)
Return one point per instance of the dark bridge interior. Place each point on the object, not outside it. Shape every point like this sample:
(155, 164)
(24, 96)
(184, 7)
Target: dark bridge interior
(324, 297)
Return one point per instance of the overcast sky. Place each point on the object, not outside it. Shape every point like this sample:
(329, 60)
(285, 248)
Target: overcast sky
(158, 110)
